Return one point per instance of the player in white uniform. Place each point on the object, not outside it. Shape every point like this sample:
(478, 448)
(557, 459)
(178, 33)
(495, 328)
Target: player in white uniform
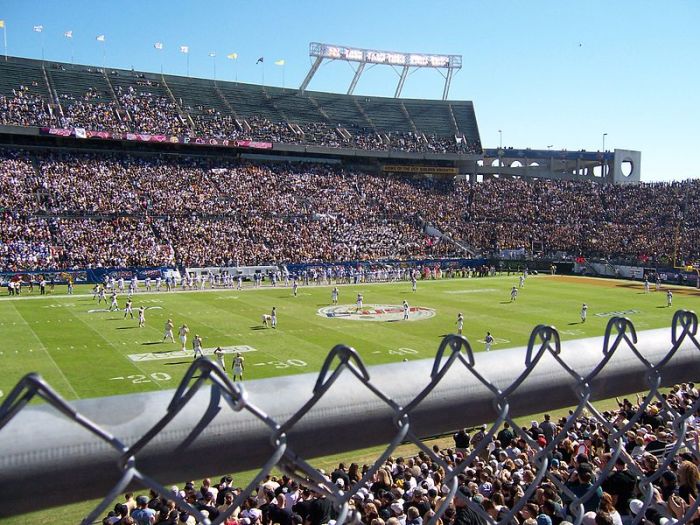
(168, 331)
(238, 366)
(406, 311)
(114, 306)
(95, 291)
(359, 301)
(295, 287)
(273, 317)
(182, 333)
(584, 312)
(646, 285)
(158, 282)
(414, 282)
(522, 281)
(142, 316)
(334, 295)
(147, 283)
(121, 284)
(460, 323)
(488, 340)
(197, 346)
(101, 296)
(219, 353)
(513, 294)
(669, 298)
(128, 309)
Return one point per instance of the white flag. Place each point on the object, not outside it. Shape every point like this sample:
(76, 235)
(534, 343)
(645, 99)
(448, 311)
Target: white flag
(184, 49)
(212, 54)
(68, 34)
(38, 29)
(158, 45)
(100, 38)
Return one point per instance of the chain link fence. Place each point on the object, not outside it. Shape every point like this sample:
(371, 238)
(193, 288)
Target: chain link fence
(143, 460)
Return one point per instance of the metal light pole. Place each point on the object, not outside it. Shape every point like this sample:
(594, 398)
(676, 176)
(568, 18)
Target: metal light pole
(604, 135)
(500, 139)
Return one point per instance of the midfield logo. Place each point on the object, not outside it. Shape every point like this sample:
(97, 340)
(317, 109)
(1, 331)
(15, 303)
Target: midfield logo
(375, 312)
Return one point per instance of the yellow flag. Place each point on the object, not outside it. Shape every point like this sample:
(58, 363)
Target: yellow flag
(279, 63)
(232, 56)
(2, 24)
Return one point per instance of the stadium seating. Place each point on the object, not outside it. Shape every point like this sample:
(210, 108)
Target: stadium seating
(35, 93)
(92, 208)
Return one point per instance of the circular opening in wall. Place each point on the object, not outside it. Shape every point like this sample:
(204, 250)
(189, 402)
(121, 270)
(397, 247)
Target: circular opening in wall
(516, 164)
(627, 167)
(534, 164)
(479, 163)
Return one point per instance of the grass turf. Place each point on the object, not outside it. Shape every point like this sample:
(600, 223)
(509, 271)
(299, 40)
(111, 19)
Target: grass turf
(85, 353)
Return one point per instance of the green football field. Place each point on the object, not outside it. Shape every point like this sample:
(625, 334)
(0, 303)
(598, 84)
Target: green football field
(84, 351)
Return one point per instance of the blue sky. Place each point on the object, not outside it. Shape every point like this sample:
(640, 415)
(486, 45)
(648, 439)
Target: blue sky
(549, 72)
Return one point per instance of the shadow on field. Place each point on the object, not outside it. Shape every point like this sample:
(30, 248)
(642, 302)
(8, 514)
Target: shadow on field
(575, 322)
(154, 343)
(181, 363)
(663, 306)
(506, 302)
(126, 327)
(258, 327)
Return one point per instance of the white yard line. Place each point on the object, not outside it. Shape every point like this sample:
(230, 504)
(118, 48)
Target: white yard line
(41, 344)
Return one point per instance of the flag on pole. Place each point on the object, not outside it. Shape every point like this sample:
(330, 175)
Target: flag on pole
(279, 62)
(261, 59)
(68, 34)
(38, 29)
(232, 56)
(100, 38)
(212, 54)
(2, 24)
(158, 45)
(184, 49)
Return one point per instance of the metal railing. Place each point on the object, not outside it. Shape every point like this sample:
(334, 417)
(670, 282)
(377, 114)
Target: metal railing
(75, 451)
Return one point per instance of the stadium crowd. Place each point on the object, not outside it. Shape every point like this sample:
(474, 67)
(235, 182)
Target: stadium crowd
(409, 491)
(146, 108)
(103, 209)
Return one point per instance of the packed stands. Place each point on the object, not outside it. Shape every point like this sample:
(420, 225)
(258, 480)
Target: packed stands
(48, 94)
(411, 490)
(77, 209)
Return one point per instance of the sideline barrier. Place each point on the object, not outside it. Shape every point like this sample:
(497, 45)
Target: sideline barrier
(85, 449)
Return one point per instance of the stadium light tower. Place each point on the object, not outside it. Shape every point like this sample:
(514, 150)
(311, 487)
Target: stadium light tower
(373, 57)
(604, 135)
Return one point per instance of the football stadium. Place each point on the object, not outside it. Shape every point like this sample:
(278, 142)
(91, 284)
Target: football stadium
(254, 304)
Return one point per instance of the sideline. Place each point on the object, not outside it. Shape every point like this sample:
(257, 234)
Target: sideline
(26, 296)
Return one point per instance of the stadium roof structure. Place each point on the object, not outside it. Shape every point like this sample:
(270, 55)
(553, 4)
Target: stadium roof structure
(374, 57)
